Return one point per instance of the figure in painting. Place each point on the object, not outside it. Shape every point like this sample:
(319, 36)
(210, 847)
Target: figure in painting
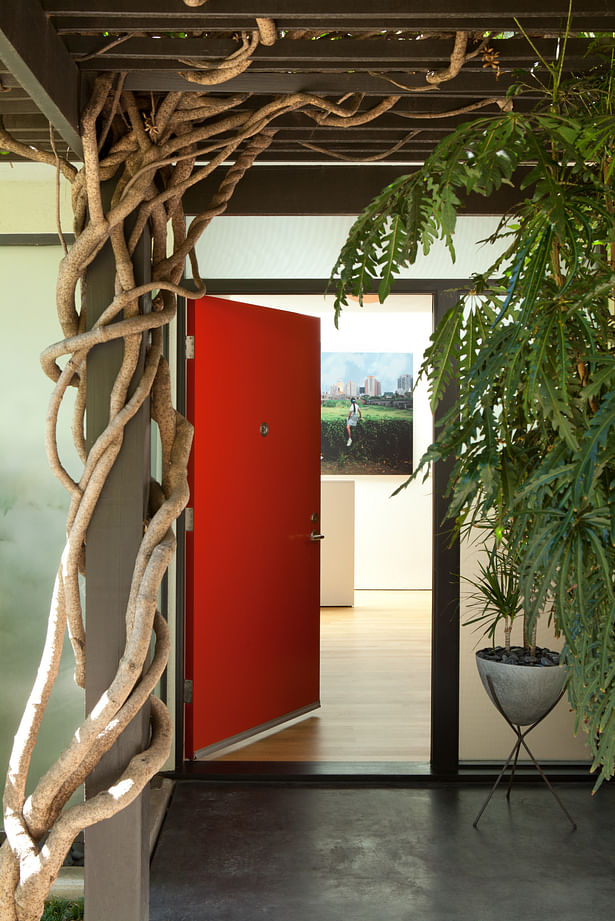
(353, 417)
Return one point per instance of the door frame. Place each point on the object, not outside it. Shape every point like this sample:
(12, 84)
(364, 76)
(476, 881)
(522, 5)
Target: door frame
(444, 761)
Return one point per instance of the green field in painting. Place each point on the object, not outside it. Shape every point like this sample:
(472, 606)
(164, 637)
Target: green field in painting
(342, 407)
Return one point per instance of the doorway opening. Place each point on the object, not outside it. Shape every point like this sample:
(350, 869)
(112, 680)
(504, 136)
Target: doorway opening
(375, 688)
(376, 649)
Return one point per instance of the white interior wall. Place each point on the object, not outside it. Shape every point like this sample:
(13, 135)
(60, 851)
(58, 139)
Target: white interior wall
(28, 199)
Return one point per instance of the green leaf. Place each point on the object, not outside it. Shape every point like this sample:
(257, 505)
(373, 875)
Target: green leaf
(601, 427)
(557, 411)
(445, 346)
(392, 257)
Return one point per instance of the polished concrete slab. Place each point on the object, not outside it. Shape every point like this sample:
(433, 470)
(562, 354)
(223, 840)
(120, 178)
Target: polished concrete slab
(299, 853)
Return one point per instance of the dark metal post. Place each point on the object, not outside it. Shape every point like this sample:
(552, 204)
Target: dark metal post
(180, 557)
(117, 850)
(445, 601)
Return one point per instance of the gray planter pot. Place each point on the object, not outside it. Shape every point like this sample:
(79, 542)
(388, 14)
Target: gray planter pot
(525, 692)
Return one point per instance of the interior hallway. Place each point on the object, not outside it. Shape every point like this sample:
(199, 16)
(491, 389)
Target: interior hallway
(234, 852)
(375, 688)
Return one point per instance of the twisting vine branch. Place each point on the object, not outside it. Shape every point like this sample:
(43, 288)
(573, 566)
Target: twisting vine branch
(459, 56)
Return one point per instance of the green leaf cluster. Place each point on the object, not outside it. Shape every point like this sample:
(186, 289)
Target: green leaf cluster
(496, 596)
(529, 352)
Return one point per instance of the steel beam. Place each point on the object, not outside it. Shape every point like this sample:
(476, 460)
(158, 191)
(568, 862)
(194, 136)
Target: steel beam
(445, 592)
(343, 15)
(37, 58)
(322, 189)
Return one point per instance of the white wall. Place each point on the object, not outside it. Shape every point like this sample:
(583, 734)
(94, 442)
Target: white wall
(392, 533)
(28, 199)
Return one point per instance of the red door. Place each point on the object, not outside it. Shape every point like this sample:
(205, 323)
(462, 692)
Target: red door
(252, 631)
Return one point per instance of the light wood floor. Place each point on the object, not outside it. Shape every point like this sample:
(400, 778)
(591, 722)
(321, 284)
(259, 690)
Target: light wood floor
(375, 688)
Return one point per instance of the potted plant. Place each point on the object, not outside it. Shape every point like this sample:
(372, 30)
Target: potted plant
(529, 349)
(525, 680)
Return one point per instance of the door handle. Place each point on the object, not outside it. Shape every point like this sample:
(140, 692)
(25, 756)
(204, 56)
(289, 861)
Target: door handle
(316, 536)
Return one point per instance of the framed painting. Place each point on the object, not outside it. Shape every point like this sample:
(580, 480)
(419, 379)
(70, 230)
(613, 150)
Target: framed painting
(366, 413)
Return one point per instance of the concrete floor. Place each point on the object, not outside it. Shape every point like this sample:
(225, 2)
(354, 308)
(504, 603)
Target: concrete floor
(299, 853)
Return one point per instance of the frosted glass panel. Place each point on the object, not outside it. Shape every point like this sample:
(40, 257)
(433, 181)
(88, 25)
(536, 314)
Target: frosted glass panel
(32, 502)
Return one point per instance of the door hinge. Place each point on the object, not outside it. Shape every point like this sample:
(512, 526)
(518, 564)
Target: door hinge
(189, 347)
(189, 519)
(187, 691)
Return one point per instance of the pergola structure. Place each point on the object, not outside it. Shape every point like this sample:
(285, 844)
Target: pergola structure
(446, 63)
(378, 85)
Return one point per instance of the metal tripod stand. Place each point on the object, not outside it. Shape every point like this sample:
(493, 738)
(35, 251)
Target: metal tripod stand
(514, 755)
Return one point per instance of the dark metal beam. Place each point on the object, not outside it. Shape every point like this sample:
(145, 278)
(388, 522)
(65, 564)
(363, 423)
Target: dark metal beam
(32, 122)
(367, 53)
(533, 27)
(320, 190)
(453, 13)
(18, 106)
(295, 154)
(36, 56)
(34, 239)
(445, 593)
(167, 79)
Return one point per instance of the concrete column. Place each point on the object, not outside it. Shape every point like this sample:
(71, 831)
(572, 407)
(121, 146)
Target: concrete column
(117, 850)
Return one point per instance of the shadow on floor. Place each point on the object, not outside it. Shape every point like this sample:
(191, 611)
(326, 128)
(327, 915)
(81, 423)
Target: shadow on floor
(244, 853)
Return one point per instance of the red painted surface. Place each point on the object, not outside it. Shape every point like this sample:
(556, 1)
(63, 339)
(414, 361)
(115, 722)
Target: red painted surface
(253, 573)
